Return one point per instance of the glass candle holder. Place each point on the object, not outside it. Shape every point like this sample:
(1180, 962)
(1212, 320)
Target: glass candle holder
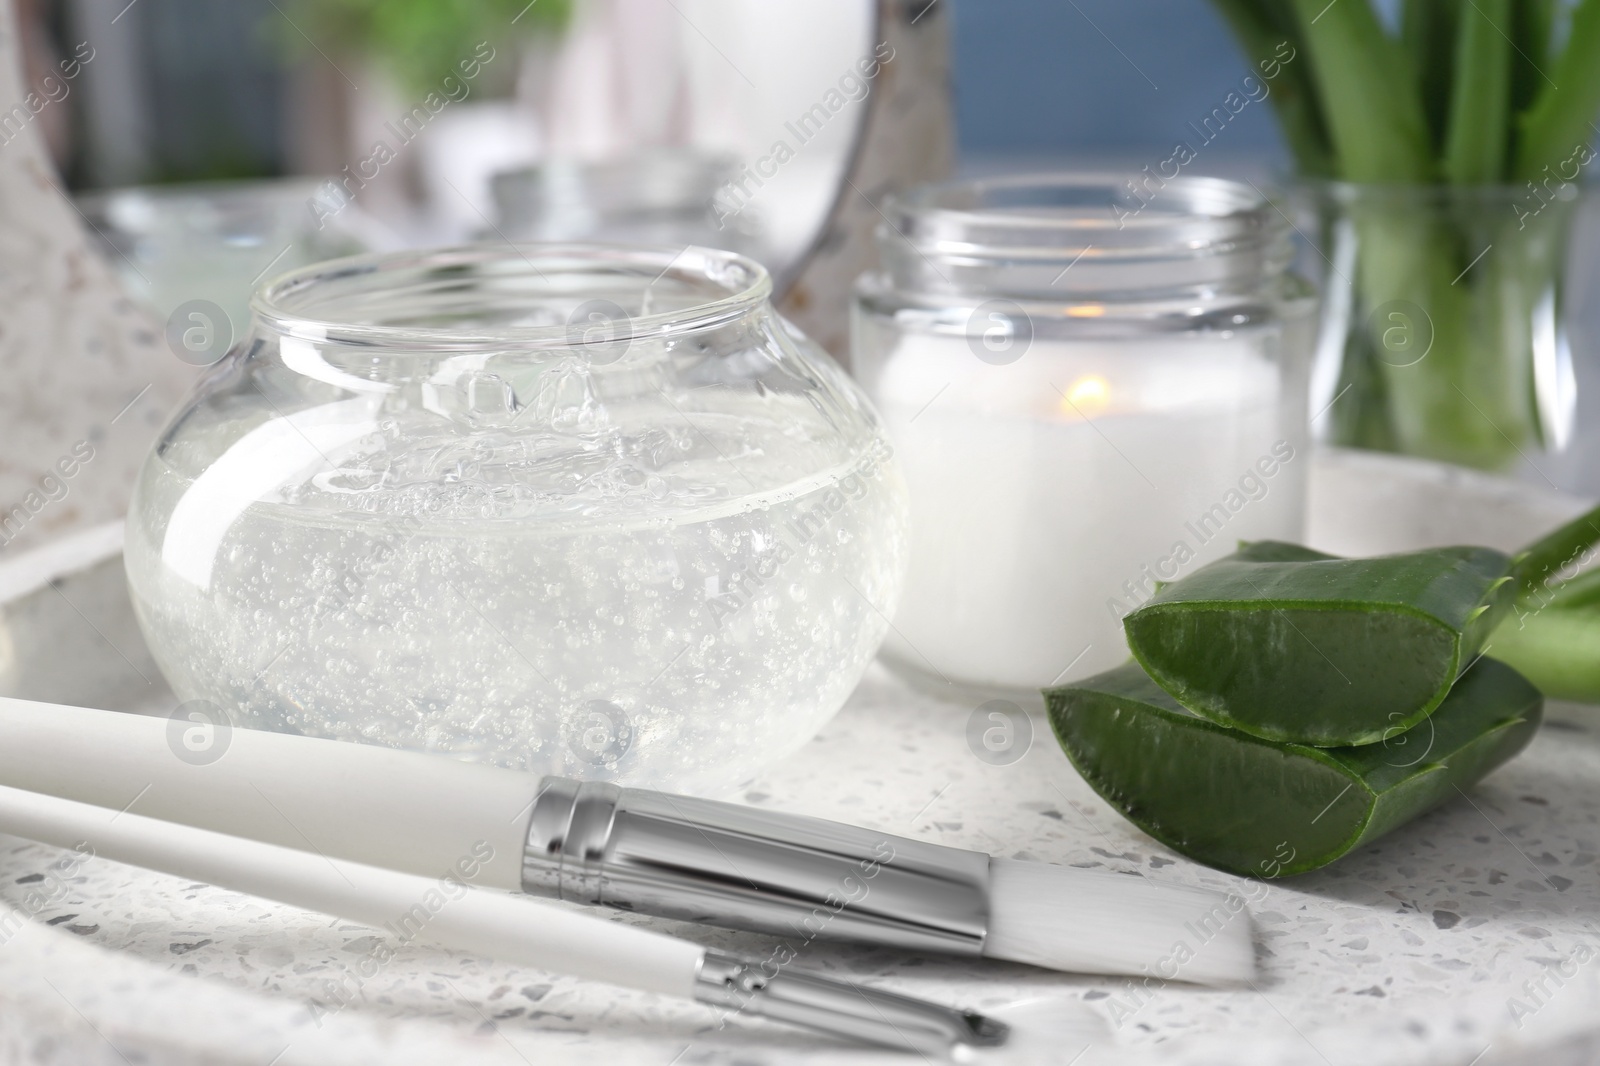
(1089, 392)
(580, 510)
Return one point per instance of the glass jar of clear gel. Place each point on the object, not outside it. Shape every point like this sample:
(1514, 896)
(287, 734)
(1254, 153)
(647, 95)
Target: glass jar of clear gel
(566, 509)
(1091, 389)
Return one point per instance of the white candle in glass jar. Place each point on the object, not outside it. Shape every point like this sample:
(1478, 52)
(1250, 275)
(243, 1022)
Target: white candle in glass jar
(1049, 494)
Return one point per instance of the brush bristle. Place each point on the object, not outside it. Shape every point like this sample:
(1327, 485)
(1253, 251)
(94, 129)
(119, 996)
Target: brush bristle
(1086, 921)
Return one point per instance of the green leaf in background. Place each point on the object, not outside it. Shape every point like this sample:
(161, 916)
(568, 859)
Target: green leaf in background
(1480, 98)
(1290, 644)
(1556, 649)
(1267, 809)
(418, 41)
(1368, 93)
(1580, 593)
(1561, 117)
(1469, 91)
(1533, 35)
(1261, 27)
(1553, 633)
(1477, 97)
(1428, 35)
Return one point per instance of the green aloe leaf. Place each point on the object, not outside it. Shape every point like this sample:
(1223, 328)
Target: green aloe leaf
(1269, 34)
(1428, 35)
(1553, 635)
(1290, 644)
(1558, 122)
(1368, 93)
(1583, 591)
(1543, 561)
(1533, 33)
(1557, 648)
(1475, 146)
(1267, 809)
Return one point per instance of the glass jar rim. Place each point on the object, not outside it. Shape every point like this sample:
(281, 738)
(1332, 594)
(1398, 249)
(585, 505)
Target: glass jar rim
(737, 286)
(1106, 237)
(972, 216)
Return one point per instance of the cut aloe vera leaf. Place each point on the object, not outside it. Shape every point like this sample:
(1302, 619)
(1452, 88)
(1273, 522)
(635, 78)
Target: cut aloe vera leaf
(1290, 644)
(1265, 809)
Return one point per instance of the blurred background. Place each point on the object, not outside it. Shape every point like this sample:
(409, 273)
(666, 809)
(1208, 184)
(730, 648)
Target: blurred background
(394, 123)
(187, 90)
(212, 145)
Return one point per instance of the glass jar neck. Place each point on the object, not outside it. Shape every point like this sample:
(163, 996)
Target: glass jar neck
(505, 300)
(1084, 237)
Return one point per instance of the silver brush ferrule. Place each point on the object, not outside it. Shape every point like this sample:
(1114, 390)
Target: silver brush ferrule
(869, 1015)
(721, 864)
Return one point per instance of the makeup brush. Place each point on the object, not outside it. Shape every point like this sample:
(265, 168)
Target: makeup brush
(649, 852)
(444, 910)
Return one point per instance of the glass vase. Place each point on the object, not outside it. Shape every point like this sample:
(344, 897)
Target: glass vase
(1442, 331)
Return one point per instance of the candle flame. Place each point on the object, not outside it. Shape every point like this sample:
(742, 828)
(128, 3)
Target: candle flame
(1085, 310)
(1088, 394)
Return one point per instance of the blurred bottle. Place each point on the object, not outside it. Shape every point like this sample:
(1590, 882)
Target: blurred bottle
(216, 241)
(660, 196)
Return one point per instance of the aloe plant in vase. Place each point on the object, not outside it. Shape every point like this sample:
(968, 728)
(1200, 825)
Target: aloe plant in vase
(1446, 159)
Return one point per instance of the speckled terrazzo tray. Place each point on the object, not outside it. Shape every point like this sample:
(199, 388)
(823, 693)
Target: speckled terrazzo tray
(1469, 936)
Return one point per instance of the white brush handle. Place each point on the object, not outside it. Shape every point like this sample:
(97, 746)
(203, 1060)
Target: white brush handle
(398, 810)
(513, 929)
(505, 927)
